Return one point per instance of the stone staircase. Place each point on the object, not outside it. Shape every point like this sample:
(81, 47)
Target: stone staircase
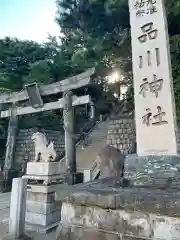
(96, 139)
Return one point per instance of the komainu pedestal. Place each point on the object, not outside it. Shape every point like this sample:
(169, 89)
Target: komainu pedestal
(43, 212)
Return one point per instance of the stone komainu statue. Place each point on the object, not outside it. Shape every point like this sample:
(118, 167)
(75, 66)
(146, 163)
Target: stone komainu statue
(44, 152)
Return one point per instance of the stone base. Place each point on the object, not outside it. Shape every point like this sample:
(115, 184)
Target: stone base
(156, 171)
(42, 209)
(45, 168)
(101, 212)
(148, 209)
(43, 220)
(45, 172)
(41, 229)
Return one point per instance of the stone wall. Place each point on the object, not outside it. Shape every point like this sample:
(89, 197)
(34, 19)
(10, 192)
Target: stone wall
(121, 135)
(96, 211)
(25, 147)
(91, 222)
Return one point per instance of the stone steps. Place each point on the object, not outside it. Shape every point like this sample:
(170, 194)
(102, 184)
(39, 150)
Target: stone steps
(96, 140)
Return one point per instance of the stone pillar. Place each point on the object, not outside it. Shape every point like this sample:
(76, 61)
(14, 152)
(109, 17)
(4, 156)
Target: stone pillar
(18, 208)
(9, 172)
(92, 111)
(155, 114)
(70, 147)
(87, 175)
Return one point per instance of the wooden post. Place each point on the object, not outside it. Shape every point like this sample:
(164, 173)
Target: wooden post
(10, 148)
(70, 147)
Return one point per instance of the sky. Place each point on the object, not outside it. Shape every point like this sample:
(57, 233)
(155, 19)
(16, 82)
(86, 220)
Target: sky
(28, 19)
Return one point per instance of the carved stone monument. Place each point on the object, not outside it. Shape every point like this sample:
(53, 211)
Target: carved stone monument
(44, 177)
(154, 97)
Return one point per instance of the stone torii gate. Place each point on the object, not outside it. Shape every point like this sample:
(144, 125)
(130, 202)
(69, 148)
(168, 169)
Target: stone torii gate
(66, 103)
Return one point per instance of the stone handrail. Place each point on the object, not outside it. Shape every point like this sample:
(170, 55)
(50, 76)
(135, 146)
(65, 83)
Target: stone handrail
(95, 170)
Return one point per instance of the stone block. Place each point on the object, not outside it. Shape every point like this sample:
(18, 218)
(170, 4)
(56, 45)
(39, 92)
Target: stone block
(43, 188)
(41, 197)
(122, 222)
(45, 168)
(126, 135)
(152, 170)
(43, 219)
(42, 208)
(79, 233)
(81, 198)
(87, 175)
(129, 130)
(109, 142)
(125, 146)
(166, 228)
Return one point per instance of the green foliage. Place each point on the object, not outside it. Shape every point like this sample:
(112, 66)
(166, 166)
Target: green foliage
(98, 26)
(39, 72)
(101, 27)
(96, 33)
(16, 59)
(175, 50)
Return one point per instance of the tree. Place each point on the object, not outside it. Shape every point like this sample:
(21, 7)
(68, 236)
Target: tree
(102, 28)
(97, 33)
(16, 58)
(98, 26)
(39, 72)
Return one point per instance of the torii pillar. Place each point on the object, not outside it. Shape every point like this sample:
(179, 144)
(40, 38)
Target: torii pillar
(8, 171)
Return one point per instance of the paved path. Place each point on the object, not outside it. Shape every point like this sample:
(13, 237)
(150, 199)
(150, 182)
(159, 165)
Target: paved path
(4, 207)
(4, 220)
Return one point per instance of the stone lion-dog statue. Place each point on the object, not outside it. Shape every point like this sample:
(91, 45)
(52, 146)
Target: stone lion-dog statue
(44, 152)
